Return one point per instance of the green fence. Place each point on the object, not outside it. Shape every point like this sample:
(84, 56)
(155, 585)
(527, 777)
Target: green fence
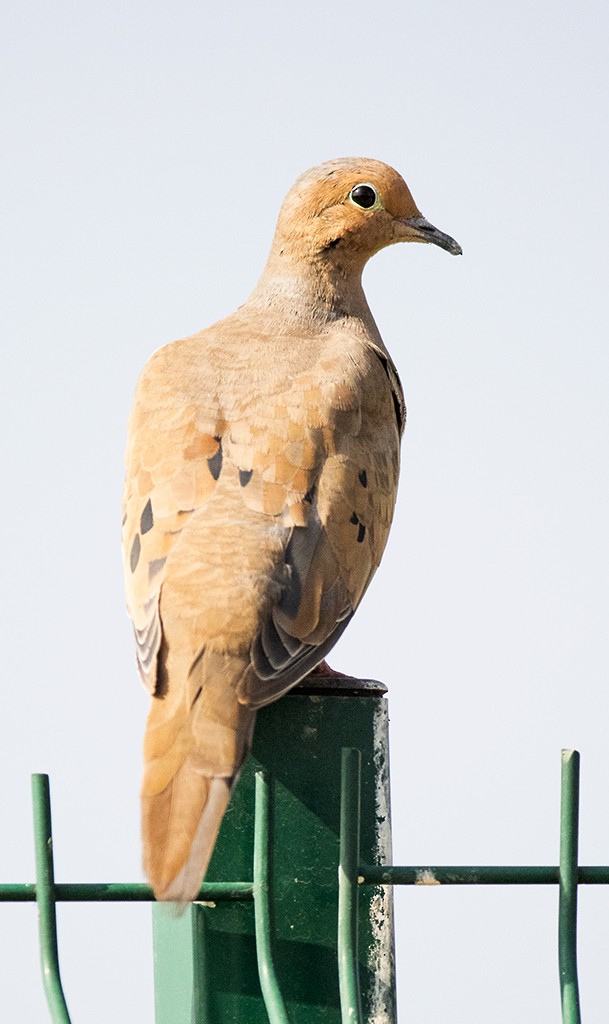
(233, 912)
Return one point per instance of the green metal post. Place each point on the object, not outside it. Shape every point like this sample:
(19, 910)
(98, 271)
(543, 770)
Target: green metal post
(45, 897)
(206, 966)
(568, 872)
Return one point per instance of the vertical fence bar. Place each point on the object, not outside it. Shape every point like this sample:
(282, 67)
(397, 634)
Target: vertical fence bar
(568, 878)
(263, 840)
(45, 897)
(348, 971)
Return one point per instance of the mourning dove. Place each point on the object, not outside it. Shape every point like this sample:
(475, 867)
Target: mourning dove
(261, 472)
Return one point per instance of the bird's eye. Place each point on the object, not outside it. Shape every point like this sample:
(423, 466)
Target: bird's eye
(363, 195)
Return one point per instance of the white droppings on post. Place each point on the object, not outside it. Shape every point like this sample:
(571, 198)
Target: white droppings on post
(381, 953)
(426, 877)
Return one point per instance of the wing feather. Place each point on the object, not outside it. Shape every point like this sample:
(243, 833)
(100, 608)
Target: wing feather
(315, 457)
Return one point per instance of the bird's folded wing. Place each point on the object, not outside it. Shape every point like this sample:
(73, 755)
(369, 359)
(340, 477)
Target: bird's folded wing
(299, 458)
(330, 563)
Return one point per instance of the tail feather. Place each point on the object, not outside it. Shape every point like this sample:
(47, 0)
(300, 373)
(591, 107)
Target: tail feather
(193, 753)
(180, 827)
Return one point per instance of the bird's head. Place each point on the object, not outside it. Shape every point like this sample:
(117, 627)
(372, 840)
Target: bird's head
(347, 210)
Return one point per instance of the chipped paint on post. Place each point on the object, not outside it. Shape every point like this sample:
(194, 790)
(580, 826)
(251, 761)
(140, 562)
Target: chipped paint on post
(381, 955)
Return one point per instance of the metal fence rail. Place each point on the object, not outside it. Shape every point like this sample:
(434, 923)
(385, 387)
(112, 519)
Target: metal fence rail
(568, 875)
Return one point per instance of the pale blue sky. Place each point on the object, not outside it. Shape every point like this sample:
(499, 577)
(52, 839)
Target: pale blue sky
(149, 146)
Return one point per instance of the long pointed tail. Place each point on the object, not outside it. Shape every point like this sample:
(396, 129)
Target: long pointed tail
(193, 750)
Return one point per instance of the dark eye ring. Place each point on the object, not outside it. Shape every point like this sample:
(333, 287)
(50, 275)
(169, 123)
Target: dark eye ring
(363, 195)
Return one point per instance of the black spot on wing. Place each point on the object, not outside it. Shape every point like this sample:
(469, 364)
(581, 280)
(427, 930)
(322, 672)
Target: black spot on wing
(194, 665)
(399, 411)
(146, 519)
(215, 463)
(134, 556)
(162, 678)
(245, 475)
(361, 531)
(396, 390)
(363, 477)
(155, 567)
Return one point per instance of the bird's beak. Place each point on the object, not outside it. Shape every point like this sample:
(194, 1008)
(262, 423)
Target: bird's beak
(418, 229)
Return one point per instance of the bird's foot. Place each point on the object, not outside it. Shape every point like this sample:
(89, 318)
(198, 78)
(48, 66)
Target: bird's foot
(323, 669)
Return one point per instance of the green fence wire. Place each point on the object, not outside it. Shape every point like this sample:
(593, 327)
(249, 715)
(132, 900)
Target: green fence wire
(567, 907)
(45, 896)
(263, 900)
(568, 876)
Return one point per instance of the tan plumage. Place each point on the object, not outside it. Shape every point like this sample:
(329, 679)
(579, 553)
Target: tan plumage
(262, 466)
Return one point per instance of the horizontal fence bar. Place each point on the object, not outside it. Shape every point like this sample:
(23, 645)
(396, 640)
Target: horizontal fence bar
(138, 892)
(118, 892)
(484, 875)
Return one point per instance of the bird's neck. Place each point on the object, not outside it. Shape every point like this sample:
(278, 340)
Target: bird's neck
(312, 290)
